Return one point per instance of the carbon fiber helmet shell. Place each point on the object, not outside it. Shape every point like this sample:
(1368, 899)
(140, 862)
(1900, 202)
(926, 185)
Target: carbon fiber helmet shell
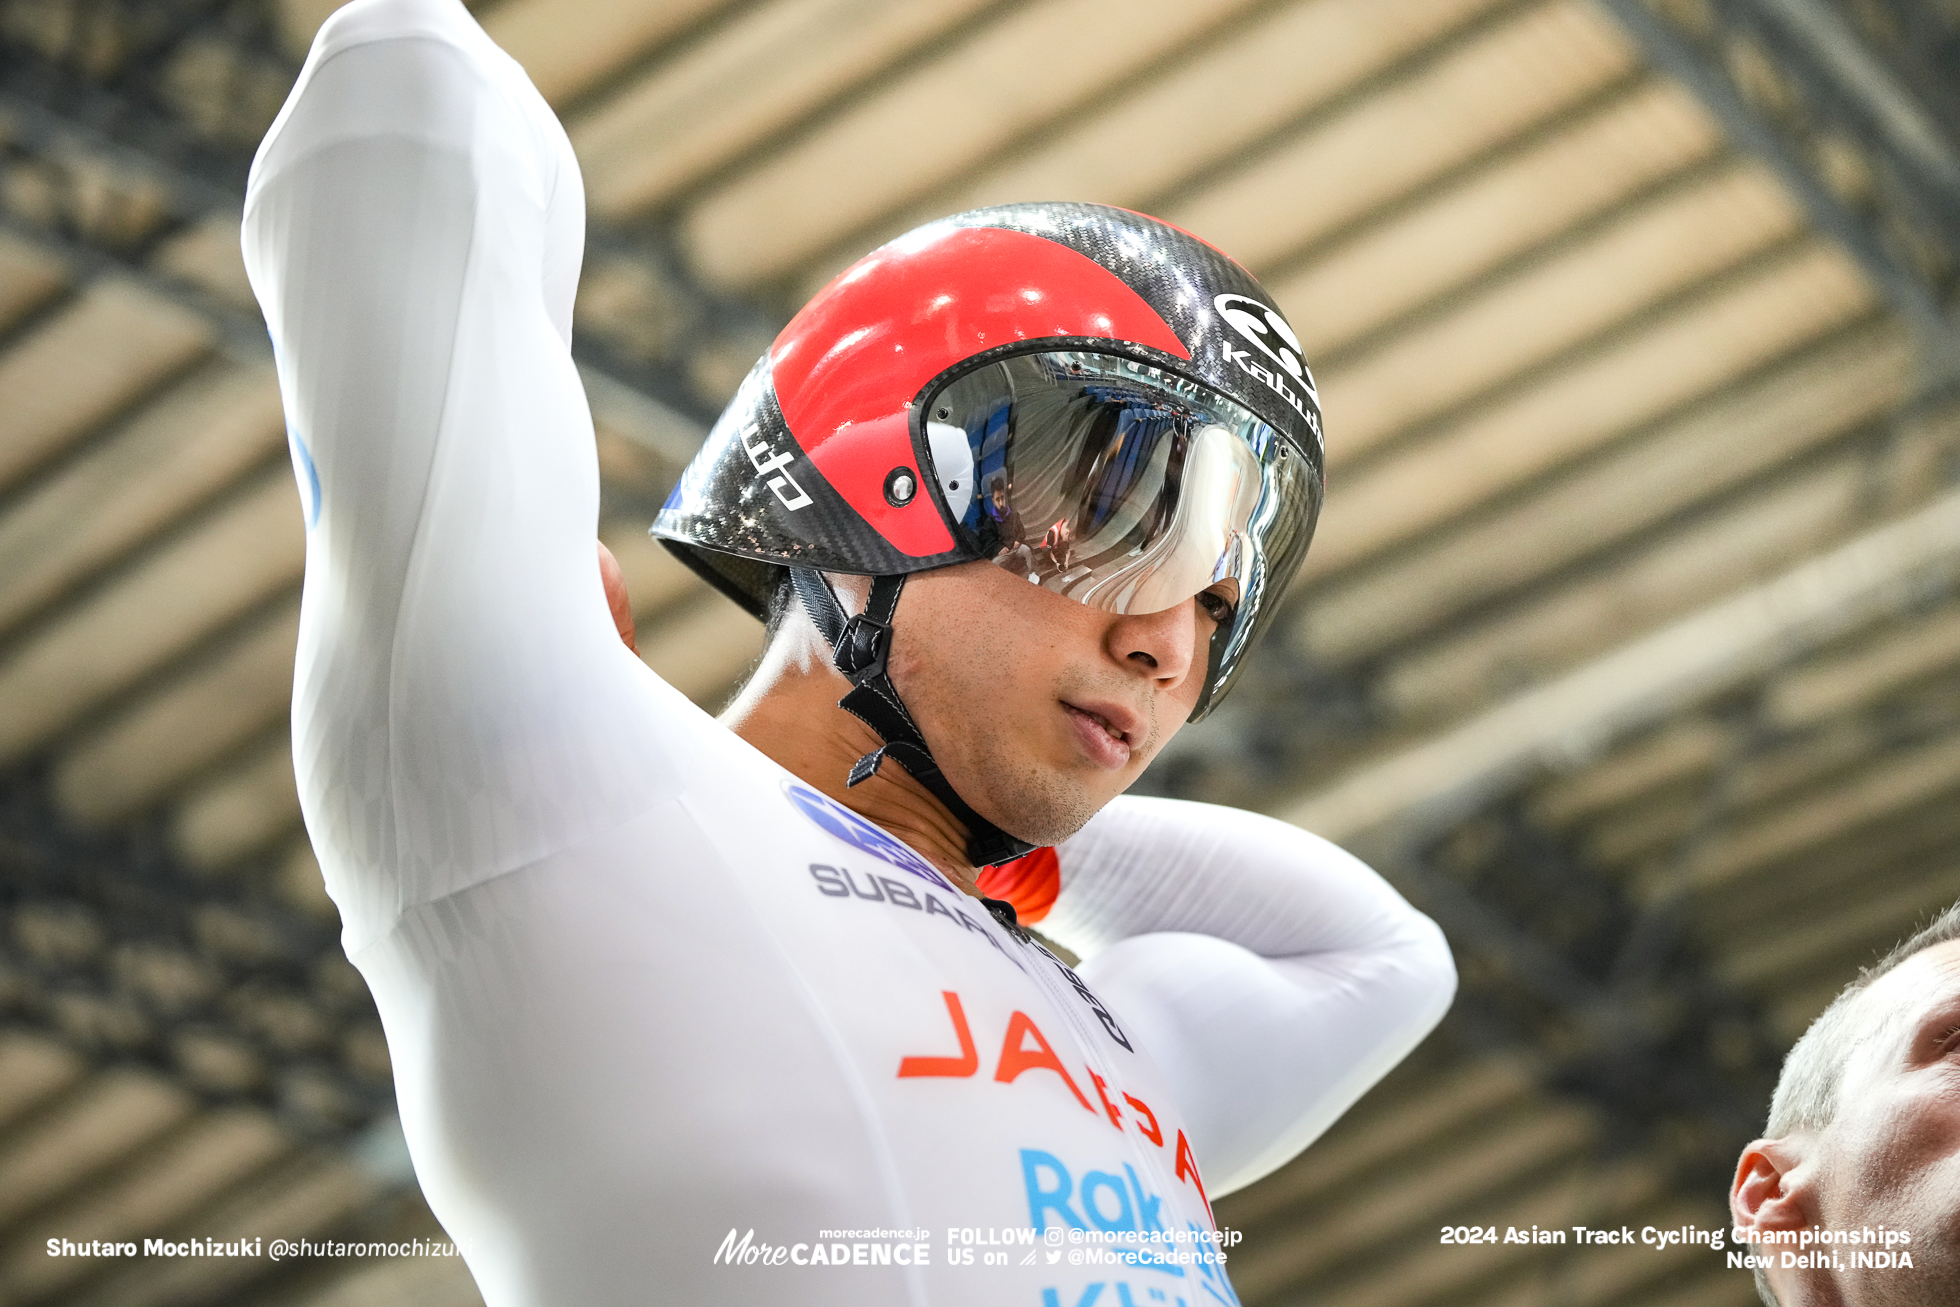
(798, 470)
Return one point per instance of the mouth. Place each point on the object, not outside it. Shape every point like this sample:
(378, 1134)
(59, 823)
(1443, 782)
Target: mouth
(1106, 732)
(1103, 722)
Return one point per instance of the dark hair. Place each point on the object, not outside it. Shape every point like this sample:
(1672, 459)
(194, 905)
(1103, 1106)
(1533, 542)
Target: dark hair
(782, 602)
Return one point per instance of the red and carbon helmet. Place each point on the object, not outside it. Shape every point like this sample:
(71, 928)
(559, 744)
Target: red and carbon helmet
(893, 425)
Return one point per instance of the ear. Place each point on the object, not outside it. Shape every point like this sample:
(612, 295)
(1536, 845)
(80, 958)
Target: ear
(1766, 1193)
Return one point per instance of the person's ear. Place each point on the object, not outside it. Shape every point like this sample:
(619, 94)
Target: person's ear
(1766, 1194)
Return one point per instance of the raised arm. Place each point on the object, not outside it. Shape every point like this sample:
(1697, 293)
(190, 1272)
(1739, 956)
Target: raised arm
(1273, 976)
(462, 706)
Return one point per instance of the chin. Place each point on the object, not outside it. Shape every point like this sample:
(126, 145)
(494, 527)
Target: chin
(1027, 778)
(1037, 804)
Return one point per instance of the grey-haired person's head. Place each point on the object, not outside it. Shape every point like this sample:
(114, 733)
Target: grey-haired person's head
(1861, 1154)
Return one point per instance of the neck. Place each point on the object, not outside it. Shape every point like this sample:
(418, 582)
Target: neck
(788, 711)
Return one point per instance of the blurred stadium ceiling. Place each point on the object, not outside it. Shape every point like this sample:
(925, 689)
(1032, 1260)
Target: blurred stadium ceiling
(1629, 646)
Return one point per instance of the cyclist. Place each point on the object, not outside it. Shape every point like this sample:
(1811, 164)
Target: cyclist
(687, 1013)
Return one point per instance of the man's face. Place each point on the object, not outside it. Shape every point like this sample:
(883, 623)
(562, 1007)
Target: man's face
(1038, 708)
(1892, 1155)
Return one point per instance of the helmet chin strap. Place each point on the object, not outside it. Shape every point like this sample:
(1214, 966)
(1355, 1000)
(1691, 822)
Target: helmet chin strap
(860, 647)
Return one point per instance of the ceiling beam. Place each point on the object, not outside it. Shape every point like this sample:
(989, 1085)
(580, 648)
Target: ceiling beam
(1796, 85)
(1424, 789)
(126, 956)
(666, 392)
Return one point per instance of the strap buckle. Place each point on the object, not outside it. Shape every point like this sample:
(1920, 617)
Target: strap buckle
(863, 648)
(860, 648)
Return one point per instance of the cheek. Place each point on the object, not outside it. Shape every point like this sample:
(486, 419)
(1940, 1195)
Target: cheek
(1168, 726)
(1902, 1146)
(958, 670)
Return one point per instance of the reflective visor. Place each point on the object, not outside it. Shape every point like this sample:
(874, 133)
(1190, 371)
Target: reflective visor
(1126, 487)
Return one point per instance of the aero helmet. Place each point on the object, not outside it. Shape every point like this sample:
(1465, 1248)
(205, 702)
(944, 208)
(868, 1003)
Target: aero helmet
(1086, 396)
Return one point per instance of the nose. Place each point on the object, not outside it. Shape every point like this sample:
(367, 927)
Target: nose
(1162, 645)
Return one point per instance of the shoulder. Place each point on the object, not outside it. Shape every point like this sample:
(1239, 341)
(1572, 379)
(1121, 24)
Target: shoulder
(365, 21)
(418, 70)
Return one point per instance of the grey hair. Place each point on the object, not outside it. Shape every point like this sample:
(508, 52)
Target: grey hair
(1807, 1091)
(1806, 1095)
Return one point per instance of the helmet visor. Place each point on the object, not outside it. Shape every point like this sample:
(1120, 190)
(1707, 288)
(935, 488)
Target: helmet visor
(1126, 487)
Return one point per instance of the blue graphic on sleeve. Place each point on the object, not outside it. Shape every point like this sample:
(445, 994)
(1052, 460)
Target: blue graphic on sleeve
(307, 475)
(861, 834)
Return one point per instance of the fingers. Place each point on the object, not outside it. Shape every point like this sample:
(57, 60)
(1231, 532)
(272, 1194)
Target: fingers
(616, 597)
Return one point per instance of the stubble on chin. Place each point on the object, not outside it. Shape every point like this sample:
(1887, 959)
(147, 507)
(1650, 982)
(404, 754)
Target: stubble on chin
(1041, 804)
(1026, 799)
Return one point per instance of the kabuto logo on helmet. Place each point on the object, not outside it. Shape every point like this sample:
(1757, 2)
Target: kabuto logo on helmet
(1269, 333)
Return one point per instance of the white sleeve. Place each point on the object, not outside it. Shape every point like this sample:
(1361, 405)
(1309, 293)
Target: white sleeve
(413, 229)
(1273, 976)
